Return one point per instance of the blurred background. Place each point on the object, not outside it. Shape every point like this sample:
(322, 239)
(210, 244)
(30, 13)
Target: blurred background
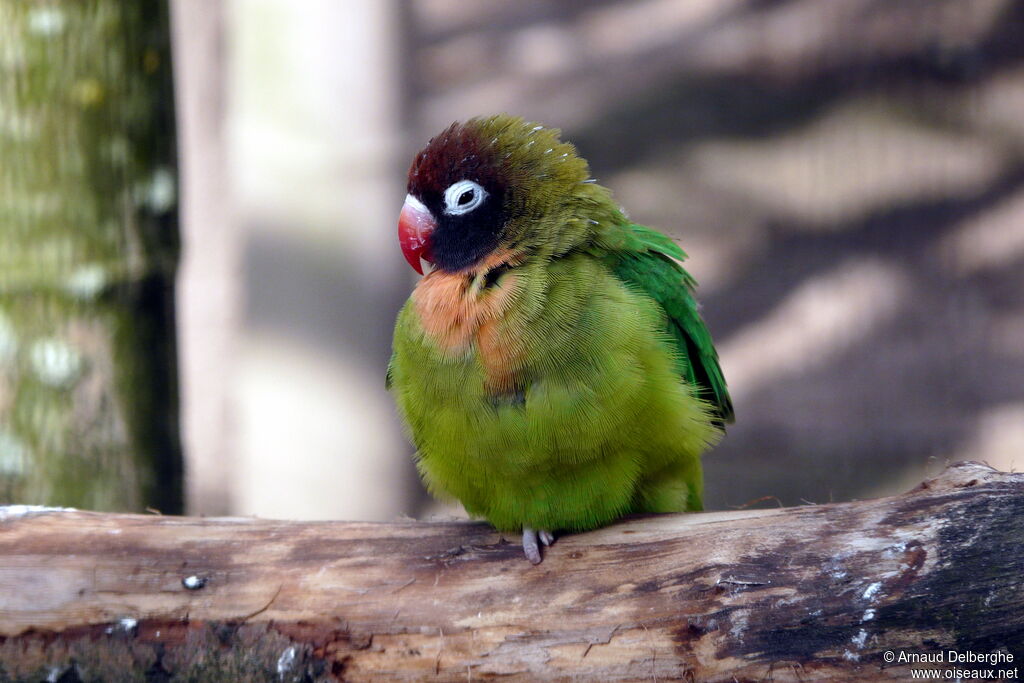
(847, 177)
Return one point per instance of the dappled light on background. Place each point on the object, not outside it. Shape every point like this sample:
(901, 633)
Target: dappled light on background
(314, 133)
(992, 241)
(998, 439)
(817, 322)
(846, 177)
(336, 425)
(848, 162)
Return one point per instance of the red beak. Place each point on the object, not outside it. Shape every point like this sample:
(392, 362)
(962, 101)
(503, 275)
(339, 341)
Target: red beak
(415, 224)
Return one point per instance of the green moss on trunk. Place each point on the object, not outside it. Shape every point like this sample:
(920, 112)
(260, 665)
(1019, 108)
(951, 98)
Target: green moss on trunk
(88, 225)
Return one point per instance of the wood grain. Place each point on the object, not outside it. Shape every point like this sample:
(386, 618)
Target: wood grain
(808, 593)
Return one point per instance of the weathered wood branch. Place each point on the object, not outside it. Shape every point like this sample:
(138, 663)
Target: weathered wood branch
(810, 593)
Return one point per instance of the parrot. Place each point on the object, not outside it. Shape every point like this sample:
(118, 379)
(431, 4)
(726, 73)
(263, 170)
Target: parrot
(552, 368)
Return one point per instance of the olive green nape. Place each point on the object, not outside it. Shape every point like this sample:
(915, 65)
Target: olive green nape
(556, 206)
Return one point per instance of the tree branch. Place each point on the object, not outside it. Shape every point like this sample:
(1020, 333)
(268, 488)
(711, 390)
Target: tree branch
(809, 593)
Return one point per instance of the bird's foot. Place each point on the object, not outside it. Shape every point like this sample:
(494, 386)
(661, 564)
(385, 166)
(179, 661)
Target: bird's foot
(532, 540)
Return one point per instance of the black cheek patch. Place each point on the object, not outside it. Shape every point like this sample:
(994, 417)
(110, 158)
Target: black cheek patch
(460, 241)
(462, 152)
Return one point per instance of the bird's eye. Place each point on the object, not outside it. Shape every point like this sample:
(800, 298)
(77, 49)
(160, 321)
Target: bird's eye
(462, 197)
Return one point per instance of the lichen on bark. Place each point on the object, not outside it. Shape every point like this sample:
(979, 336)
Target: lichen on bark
(206, 652)
(88, 223)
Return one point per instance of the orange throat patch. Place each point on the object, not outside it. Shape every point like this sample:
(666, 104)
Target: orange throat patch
(460, 314)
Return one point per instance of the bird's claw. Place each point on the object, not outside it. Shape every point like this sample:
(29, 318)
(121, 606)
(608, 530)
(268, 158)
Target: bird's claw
(531, 543)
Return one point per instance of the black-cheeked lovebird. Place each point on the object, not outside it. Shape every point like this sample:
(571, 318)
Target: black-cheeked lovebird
(552, 368)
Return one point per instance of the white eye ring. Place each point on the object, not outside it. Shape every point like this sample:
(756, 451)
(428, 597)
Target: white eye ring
(455, 192)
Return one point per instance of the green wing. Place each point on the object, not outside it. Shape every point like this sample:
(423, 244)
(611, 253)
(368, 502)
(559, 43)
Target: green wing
(649, 262)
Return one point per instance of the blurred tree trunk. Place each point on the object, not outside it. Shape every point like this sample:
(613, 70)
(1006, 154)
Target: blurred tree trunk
(88, 223)
(210, 272)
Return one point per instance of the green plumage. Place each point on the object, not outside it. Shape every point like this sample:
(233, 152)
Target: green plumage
(652, 267)
(591, 386)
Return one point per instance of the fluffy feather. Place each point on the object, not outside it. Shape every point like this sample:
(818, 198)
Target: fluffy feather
(553, 372)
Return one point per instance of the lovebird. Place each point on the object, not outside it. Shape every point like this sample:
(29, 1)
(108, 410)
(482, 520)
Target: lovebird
(552, 367)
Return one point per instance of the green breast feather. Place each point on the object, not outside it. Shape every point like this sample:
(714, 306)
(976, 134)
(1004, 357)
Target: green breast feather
(607, 425)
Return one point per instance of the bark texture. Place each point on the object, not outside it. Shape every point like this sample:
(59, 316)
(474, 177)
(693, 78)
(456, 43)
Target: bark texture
(88, 230)
(808, 593)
